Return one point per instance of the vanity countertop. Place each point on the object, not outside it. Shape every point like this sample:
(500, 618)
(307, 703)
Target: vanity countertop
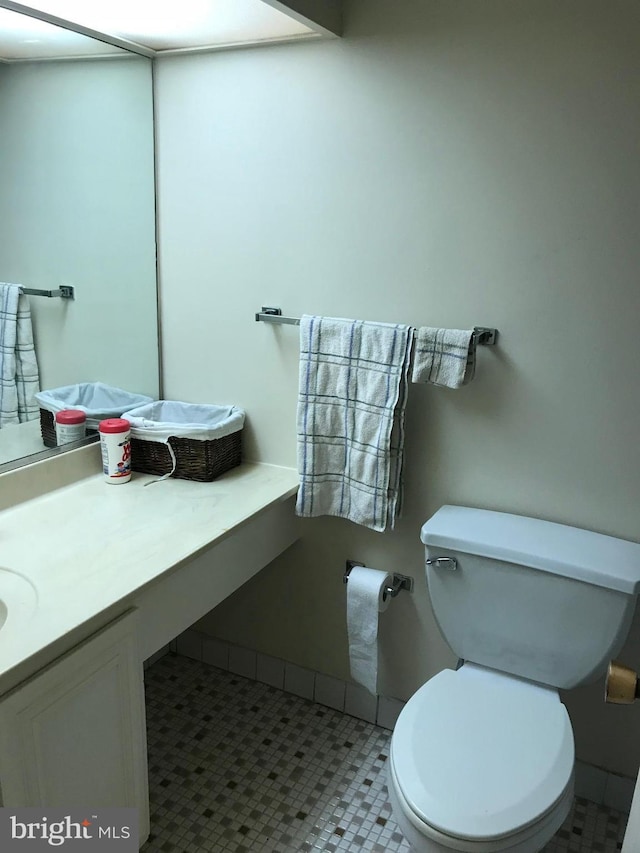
(17, 440)
(92, 545)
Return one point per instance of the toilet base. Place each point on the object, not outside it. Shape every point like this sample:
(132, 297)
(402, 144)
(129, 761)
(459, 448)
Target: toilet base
(426, 839)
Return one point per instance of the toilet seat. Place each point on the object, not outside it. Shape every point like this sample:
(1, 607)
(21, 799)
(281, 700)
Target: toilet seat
(424, 838)
(480, 755)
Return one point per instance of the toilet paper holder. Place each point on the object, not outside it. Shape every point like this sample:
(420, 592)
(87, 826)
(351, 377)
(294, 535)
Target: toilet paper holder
(399, 582)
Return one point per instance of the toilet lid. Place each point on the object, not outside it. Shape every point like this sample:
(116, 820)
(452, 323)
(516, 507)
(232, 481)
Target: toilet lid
(479, 755)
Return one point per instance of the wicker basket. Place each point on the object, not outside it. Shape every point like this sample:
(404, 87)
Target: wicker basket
(195, 459)
(48, 428)
(98, 400)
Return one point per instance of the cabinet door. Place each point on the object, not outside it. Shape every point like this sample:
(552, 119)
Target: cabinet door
(74, 734)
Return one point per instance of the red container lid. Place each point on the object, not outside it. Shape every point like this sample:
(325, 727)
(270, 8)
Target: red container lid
(70, 416)
(114, 425)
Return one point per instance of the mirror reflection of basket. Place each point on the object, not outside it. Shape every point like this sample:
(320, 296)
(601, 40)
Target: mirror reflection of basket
(189, 441)
(97, 400)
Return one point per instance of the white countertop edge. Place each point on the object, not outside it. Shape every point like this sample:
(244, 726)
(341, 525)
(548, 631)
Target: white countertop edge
(90, 547)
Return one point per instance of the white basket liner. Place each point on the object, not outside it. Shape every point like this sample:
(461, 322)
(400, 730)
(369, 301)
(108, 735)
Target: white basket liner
(97, 400)
(164, 418)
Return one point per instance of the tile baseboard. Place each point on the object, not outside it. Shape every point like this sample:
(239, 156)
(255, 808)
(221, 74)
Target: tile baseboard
(591, 783)
(345, 696)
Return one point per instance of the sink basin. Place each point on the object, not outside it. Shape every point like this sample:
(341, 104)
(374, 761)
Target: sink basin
(18, 599)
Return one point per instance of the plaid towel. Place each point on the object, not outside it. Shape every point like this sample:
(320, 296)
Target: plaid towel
(353, 391)
(444, 356)
(19, 380)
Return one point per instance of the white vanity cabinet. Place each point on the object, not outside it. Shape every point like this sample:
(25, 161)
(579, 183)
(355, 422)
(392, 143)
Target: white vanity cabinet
(73, 735)
(153, 561)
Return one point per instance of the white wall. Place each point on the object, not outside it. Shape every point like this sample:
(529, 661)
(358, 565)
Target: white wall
(448, 164)
(77, 207)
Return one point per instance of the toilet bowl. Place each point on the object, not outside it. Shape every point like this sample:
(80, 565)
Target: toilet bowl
(481, 762)
(481, 759)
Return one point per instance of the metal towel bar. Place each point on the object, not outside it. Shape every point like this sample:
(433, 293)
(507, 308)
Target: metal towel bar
(64, 292)
(483, 335)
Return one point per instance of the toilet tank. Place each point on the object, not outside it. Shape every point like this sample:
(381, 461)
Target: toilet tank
(544, 601)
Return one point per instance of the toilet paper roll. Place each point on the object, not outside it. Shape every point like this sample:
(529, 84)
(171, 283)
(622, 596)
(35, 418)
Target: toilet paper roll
(365, 601)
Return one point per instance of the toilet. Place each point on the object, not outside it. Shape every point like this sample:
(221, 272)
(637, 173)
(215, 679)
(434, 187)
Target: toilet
(482, 757)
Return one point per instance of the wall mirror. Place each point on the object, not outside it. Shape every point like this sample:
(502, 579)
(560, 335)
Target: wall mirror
(77, 208)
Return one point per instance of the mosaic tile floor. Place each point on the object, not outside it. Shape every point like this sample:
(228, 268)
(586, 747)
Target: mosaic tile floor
(236, 766)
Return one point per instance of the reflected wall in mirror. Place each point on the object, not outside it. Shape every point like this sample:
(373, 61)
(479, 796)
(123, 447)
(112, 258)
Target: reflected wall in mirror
(77, 207)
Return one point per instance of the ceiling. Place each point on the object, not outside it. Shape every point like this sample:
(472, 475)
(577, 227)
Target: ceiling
(160, 26)
(24, 38)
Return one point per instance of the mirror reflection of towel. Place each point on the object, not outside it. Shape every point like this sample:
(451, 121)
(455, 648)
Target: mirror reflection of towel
(351, 405)
(19, 378)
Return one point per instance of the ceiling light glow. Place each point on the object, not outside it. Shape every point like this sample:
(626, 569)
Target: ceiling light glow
(167, 24)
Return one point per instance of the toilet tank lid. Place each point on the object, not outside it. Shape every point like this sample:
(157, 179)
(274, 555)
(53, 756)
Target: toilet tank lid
(556, 548)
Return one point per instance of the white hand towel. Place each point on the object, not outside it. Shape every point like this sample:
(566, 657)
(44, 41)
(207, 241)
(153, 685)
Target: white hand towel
(351, 404)
(19, 379)
(444, 356)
